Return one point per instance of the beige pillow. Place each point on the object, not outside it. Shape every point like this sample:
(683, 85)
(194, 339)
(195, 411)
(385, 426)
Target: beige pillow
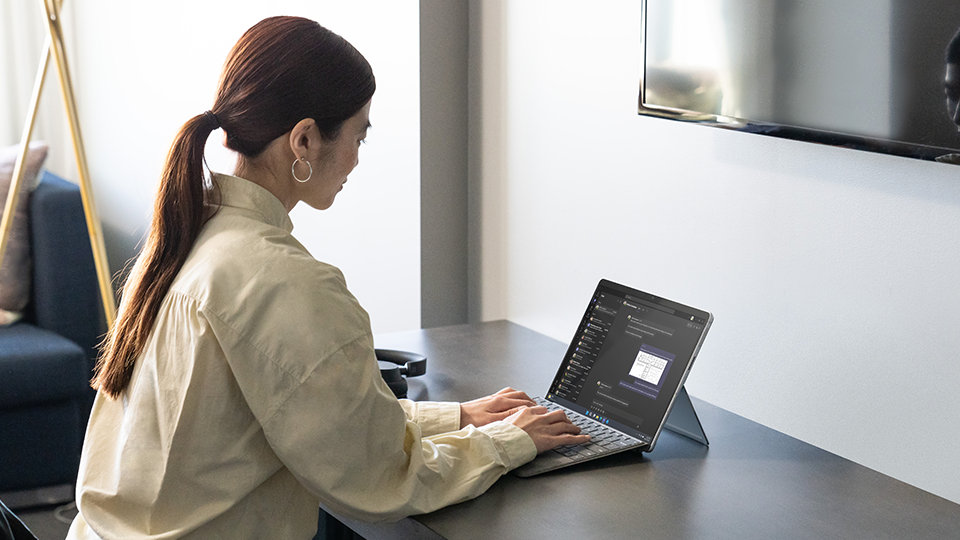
(16, 266)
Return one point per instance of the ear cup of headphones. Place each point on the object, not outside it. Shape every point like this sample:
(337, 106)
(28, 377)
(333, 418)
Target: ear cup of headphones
(394, 365)
(394, 379)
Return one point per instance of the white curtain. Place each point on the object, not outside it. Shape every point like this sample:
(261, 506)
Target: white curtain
(22, 35)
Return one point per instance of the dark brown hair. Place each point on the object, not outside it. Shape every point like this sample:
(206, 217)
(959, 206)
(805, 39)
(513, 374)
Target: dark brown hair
(282, 70)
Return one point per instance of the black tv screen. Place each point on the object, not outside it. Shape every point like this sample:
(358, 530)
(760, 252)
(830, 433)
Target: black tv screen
(865, 74)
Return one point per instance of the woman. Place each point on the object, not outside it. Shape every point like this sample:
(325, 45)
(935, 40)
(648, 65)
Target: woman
(238, 388)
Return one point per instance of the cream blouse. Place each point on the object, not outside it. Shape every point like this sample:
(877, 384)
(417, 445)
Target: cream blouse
(258, 397)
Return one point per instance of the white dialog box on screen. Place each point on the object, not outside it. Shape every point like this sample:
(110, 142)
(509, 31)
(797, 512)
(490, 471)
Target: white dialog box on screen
(648, 367)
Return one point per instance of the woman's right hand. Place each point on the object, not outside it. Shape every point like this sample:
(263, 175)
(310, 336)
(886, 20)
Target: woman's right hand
(547, 429)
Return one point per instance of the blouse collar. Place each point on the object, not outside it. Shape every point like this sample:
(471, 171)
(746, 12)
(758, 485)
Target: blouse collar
(239, 193)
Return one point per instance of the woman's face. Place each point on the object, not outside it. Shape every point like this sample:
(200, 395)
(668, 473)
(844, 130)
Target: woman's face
(337, 158)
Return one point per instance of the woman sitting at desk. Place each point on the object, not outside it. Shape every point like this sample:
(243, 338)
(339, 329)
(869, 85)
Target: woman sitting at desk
(238, 388)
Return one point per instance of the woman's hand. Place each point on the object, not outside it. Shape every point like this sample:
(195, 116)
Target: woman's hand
(494, 407)
(547, 429)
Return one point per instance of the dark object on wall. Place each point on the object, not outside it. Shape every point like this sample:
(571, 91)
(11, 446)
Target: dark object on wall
(395, 365)
(46, 359)
(951, 83)
(852, 73)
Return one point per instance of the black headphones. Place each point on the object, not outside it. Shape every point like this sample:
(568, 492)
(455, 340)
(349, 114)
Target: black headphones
(951, 81)
(394, 365)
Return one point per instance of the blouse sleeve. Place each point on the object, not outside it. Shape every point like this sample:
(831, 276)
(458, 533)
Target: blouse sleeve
(333, 422)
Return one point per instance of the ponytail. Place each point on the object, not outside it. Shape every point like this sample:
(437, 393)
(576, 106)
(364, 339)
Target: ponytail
(178, 215)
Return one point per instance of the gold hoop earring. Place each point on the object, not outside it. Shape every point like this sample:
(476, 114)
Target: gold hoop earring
(293, 170)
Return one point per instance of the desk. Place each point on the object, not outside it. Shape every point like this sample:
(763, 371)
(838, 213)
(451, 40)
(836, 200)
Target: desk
(753, 482)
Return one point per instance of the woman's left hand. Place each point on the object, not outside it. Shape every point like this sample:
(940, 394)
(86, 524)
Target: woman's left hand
(493, 407)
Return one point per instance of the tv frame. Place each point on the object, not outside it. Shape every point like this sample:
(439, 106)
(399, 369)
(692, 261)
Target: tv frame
(799, 133)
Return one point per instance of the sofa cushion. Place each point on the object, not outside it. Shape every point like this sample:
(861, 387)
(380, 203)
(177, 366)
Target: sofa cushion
(15, 268)
(39, 366)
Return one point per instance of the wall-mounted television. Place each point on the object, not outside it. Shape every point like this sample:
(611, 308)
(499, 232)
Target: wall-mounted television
(864, 74)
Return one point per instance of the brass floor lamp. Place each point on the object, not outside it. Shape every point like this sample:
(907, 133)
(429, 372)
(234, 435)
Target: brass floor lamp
(54, 46)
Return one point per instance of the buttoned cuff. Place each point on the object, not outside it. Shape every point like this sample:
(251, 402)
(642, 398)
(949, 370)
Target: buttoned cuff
(513, 443)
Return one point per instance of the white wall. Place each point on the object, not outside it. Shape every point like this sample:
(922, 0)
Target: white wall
(142, 69)
(22, 33)
(831, 272)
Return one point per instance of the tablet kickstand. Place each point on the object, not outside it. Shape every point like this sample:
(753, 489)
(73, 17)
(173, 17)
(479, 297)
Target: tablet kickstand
(683, 419)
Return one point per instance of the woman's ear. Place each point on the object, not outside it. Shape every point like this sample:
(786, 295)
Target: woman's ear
(305, 139)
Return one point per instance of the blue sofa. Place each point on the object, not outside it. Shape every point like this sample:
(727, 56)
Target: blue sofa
(46, 358)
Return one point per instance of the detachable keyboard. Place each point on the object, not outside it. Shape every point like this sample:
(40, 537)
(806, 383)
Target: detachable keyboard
(604, 441)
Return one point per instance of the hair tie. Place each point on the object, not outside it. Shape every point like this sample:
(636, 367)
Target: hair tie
(209, 114)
